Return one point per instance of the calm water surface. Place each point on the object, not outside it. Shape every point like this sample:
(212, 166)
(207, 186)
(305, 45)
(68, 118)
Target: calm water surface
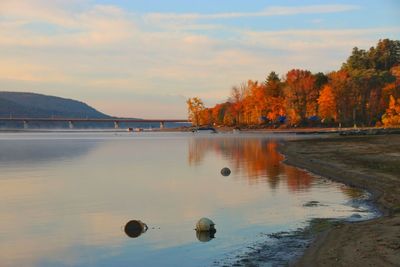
(65, 197)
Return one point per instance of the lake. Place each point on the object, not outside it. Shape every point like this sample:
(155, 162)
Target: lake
(66, 197)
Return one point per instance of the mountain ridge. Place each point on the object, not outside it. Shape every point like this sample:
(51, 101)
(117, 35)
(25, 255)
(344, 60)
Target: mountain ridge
(34, 105)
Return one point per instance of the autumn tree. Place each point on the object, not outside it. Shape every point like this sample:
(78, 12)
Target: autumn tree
(195, 107)
(320, 80)
(364, 84)
(205, 117)
(327, 103)
(229, 118)
(218, 113)
(340, 84)
(236, 99)
(254, 102)
(275, 102)
(259, 97)
(392, 115)
(391, 88)
(360, 92)
(300, 91)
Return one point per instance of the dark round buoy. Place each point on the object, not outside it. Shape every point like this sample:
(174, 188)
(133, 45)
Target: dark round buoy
(225, 171)
(135, 228)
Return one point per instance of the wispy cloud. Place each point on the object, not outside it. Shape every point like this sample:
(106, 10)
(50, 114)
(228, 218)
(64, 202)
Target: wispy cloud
(99, 51)
(269, 11)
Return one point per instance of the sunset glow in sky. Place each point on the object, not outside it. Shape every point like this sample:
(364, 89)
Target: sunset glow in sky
(144, 58)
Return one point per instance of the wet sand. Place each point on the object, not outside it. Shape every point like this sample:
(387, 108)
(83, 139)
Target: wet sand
(368, 162)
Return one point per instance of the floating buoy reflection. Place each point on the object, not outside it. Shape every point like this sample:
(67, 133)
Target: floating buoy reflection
(135, 228)
(205, 236)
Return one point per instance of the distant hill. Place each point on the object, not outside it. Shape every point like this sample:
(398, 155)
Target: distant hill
(32, 105)
(19, 105)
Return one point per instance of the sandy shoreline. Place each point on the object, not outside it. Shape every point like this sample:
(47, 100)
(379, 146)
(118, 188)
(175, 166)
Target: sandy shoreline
(368, 162)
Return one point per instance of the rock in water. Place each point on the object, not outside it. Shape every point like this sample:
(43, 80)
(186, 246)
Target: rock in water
(205, 225)
(225, 171)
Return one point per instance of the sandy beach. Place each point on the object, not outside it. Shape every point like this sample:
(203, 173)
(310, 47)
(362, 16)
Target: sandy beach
(368, 162)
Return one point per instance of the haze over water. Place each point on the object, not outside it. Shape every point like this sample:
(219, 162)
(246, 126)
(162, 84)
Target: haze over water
(67, 196)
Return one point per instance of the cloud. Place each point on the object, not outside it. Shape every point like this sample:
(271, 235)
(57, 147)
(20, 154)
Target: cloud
(296, 40)
(55, 12)
(24, 21)
(94, 52)
(267, 12)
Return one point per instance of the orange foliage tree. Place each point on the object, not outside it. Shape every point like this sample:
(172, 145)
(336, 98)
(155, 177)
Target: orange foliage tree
(300, 91)
(360, 92)
(236, 100)
(275, 102)
(254, 102)
(340, 84)
(327, 103)
(205, 117)
(392, 115)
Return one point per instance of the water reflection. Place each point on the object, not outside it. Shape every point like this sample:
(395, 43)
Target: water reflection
(257, 159)
(41, 151)
(205, 236)
(76, 204)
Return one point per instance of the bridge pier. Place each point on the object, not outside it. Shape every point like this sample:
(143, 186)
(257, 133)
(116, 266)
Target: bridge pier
(116, 124)
(25, 124)
(71, 124)
(162, 124)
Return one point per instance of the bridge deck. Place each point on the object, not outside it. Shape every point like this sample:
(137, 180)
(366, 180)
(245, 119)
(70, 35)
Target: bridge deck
(91, 120)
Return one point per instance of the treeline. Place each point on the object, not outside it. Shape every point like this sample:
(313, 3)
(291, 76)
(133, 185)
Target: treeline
(364, 91)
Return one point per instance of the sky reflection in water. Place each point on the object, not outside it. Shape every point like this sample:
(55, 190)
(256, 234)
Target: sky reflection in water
(66, 198)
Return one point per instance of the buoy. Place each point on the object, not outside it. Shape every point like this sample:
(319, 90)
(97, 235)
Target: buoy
(225, 171)
(205, 225)
(135, 228)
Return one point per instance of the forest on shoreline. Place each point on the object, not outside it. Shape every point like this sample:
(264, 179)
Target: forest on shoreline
(365, 91)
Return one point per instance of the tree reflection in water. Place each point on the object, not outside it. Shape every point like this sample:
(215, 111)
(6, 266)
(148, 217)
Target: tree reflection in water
(257, 159)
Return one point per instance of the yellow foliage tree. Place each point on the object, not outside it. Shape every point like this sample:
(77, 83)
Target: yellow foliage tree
(195, 107)
(392, 115)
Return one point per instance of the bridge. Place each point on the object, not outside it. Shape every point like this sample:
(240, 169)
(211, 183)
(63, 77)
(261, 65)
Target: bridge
(72, 121)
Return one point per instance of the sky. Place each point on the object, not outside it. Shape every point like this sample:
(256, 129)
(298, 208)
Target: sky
(145, 58)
